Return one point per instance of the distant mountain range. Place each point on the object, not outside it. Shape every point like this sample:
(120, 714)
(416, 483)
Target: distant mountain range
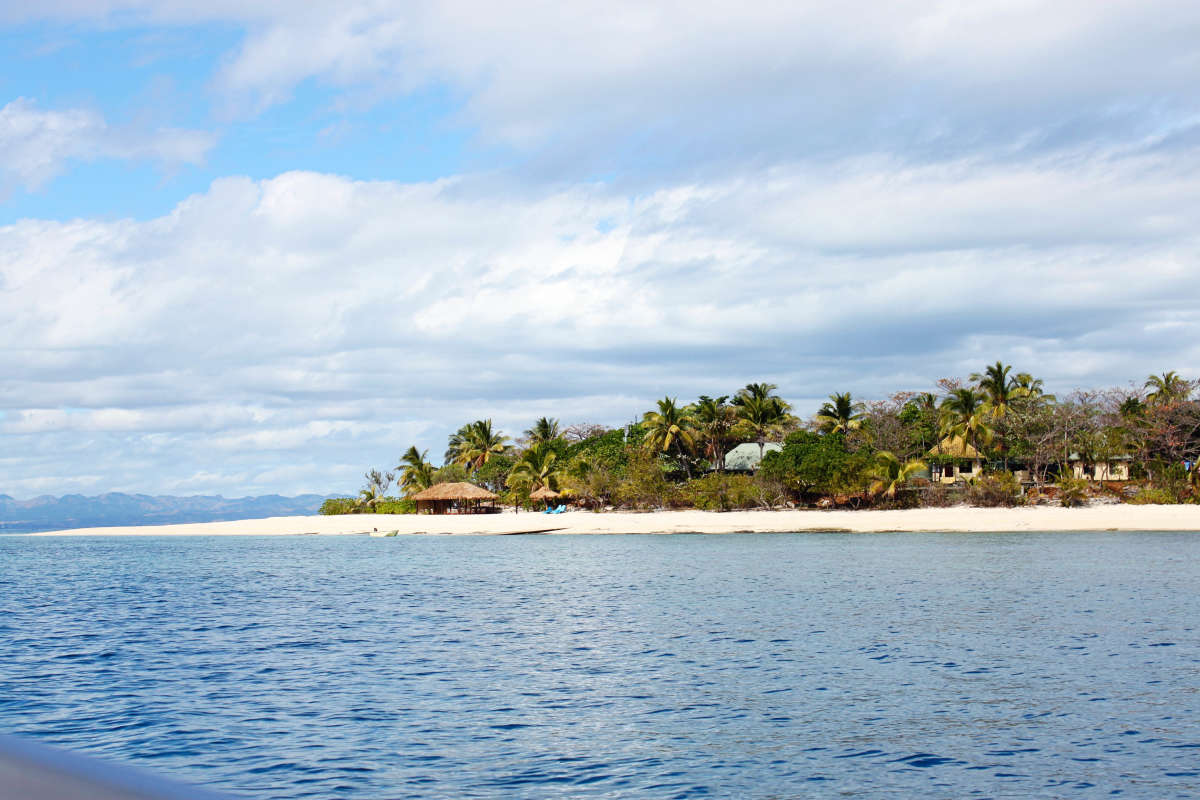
(48, 513)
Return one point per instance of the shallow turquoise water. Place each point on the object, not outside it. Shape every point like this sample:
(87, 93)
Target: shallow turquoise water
(1022, 665)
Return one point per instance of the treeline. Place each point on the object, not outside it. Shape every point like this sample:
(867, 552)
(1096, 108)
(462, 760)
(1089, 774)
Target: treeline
(888, 453)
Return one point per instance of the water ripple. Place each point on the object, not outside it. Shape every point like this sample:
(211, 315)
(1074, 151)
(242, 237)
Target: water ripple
(589, 667)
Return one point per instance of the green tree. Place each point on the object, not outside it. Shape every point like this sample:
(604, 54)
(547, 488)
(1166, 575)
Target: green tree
(1167, 388)
(997, 388)
(339, 505)
(761, 410)
(717, 424)
(451, 473)
(841, 414)
(920, 418)
(544, 430)
(645, 484)
(375, 491)
(475, 444)
(810, 464)
(890, 474)
(606, 448)
(592, 480)
(1131, 408)
(757, 391)
(493, 475)
(964, 414)
(1033, 387)
(536, 468)
(1001, 394)
(670, 429)
(416, 474)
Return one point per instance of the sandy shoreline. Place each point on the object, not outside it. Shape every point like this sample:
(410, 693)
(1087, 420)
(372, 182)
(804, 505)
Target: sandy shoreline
(965, 520)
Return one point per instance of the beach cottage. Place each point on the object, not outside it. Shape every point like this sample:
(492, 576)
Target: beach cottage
(953, 459)
(1112, 469)
(456, 498)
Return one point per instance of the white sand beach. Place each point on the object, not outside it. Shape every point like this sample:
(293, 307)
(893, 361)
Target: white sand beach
(958, 519)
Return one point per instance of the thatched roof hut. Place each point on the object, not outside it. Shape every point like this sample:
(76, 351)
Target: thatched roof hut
(955, 447)
(455, 498)
(544, 493)
(956, 459)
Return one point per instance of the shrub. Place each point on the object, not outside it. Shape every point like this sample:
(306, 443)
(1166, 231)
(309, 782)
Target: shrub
(719, 492)
(339, 505)
(646, 485)
(1072, 492)
(592, 483)
(604, 450)
(995, 490)
(939, 495)
(813, 465)
(1174, 483)
(1152, 496)
(350, 505)
(451, 473)
(907, 497)
(396, 505)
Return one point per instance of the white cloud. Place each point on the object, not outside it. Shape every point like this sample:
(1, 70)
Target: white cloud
(36, 145)
(584, 83)
(855, 196)
(323, 324)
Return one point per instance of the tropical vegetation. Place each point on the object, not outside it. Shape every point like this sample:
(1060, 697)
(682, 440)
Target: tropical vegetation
(1139, 443)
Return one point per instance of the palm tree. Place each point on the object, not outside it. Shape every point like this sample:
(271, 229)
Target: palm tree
(963, 415)
(756, 391)
(376, 489)
(841, 414)
(1001, 391)
(926, 401)
(925, 406)
(455, 444)
(536, 468)
(998, 388)
(1166, 389)
(368, 500)
(717, 422)
(890, 474)
(1032, 387)
(761, 410)
(1131, 407)
(544, 430)
(670, 428)
(475, 444)
(416, 473)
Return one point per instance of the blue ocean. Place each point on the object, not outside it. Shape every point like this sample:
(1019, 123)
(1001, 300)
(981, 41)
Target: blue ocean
(743, 666)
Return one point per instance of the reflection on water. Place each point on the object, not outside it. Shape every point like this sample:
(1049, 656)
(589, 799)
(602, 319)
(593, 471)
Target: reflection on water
(606, 666)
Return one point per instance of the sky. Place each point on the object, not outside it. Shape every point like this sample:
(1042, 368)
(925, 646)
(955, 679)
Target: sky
(260, 247)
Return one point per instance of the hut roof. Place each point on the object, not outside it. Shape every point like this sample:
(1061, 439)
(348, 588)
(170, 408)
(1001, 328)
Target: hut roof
(955, 447)
(543, 493)
(454, 491)
(745, 457)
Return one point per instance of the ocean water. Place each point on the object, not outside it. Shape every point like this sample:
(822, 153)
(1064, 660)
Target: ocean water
(747, 666)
